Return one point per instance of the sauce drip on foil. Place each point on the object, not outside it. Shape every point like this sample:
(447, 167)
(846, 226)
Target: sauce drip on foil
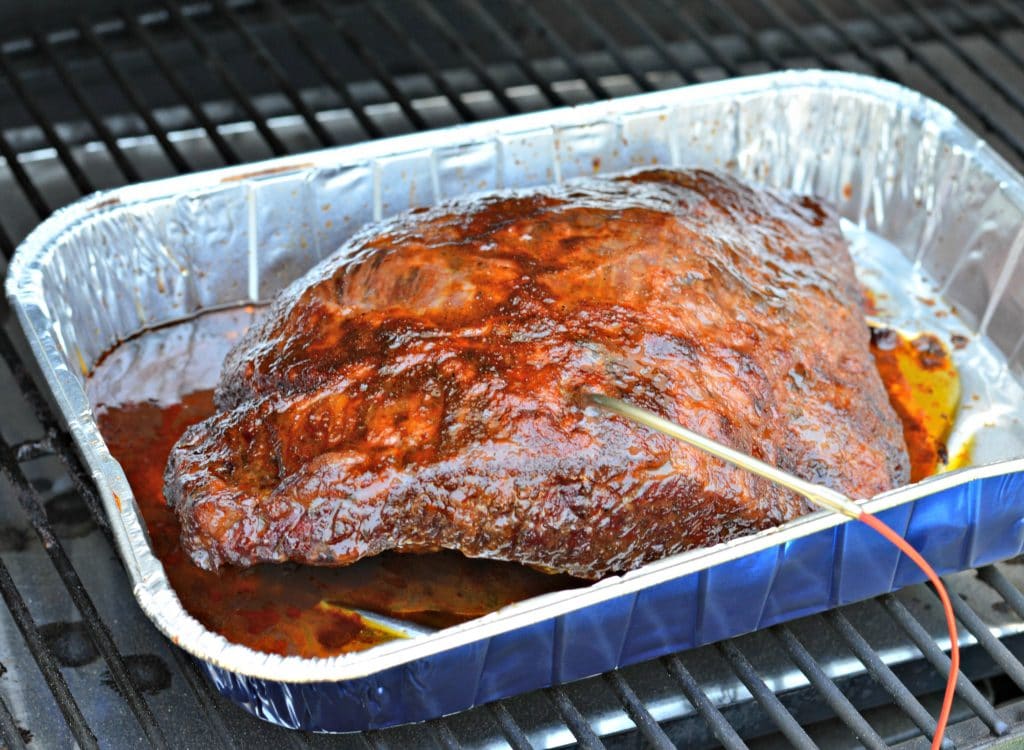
(148, 390)
(924, 390)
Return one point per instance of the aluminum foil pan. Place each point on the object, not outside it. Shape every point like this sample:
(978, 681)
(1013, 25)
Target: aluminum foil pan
(931, 211)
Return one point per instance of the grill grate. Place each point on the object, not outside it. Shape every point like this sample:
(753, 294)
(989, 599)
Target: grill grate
(121, 96)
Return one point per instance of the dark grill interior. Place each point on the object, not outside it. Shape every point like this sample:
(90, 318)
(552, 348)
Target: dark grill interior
(123, 93)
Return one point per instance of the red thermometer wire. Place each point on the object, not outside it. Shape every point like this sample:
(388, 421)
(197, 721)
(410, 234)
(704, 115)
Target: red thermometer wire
(954, 647)
(819, 495)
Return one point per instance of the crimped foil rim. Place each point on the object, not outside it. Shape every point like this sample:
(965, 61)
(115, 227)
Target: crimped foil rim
(150, 583)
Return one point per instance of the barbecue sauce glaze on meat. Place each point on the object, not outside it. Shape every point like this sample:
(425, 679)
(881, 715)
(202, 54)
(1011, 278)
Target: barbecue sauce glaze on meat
(149, 389)
(418, 390)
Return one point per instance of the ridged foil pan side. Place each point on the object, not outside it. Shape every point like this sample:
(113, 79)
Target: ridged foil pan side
(898, 166)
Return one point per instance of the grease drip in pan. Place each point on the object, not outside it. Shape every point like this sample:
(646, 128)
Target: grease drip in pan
(986, 425)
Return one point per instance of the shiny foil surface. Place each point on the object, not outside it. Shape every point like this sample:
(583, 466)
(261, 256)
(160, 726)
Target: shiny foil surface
(936, 223)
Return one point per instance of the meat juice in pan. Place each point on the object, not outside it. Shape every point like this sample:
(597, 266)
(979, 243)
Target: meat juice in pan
(145, 393)
(148, 390)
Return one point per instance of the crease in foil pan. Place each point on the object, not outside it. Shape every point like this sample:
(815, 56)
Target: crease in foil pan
(932, 213)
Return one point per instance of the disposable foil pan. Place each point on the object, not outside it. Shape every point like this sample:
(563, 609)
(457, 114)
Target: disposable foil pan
(931, 209)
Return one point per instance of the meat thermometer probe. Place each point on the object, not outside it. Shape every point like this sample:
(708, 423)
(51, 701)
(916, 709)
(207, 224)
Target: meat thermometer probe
(819, 495)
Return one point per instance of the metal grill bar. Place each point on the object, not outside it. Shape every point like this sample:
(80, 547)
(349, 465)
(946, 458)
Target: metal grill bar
(753, 40)
(699, 36)
(375, 68)
(879, 65)
(933, 70)
(797, 34)
(28, 189)
(424, 60)
(325, 70)
(626, 10)
(47, 664)
(58, 438)
(203, 691)
(720, 728)
(828, 689)
(126, 167)
(648, 727)
(585, 736)
(509, 727)
(995, 648)
(98, 631)
(31, 449)
(770, 702)
(939, 29)
(277, 72)
(83, 183)
(114, 71)
(446, 737)
(514, 50)
(610, 45)
(990, 574)
(478, 67)
(216, 64)
(923, 640)
(985, 27)
(6, 246)
(181, 90)
(881, 672)
(10, 735)
(1011, 10)
(561, 48)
